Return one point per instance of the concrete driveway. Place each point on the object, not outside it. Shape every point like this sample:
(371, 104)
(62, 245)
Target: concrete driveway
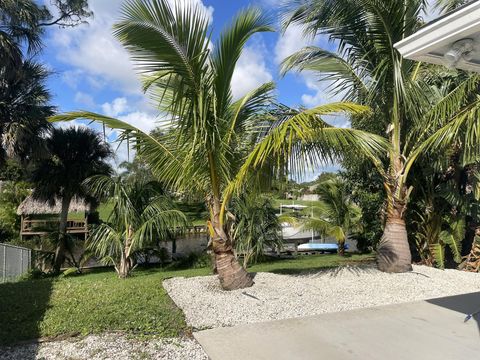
(432, 329)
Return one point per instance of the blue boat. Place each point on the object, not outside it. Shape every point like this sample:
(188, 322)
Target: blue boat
(324, 247)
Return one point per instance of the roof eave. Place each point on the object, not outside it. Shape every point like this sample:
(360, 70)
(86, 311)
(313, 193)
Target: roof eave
(457, 25)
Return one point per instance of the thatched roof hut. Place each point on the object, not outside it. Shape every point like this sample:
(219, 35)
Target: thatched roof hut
(30, 206)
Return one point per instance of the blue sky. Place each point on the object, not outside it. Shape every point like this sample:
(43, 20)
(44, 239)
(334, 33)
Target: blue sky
(91, 71)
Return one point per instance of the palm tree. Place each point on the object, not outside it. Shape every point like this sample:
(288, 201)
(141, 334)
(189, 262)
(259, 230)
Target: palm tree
(212, 143)
(141, 217)
(366, 68)
(24, 99)
(22, 24)
(24, 109)
(255, 226)
(336, 215)
(75, 154)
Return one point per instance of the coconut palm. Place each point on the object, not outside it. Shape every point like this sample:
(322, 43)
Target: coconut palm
(212, 142)
(403, 95)
(141, 217)
(75, 154)
(336, 215)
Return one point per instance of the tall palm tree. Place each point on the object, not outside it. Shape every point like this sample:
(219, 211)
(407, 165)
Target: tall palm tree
(75, 154)
(336, 214)
(366, 68)
(141, 217)
(212, 142)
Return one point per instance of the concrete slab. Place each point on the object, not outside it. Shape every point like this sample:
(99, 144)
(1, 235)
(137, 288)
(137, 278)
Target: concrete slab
(432, 329)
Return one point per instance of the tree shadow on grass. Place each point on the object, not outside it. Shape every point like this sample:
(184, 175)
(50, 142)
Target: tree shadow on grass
(22, 308)
(468, 304)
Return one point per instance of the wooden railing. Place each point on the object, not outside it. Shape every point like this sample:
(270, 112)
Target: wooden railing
(39, 227)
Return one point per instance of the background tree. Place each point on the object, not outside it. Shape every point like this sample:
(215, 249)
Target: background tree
(366, 67)
(24, 108)
(24, 98)
(335, 215)
(23, 22)
(141, 217)
(137, 170)
(75, 154)
(11, 196)
(255, 226)
(213, 141)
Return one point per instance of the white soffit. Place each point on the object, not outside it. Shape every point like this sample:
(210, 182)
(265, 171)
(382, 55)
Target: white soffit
(430, 43)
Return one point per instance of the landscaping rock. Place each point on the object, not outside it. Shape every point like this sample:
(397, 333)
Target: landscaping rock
(106, 347)
(277, 296)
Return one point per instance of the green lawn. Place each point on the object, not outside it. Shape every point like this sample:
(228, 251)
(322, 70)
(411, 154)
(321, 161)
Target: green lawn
(98, 302)
(195, 212)
(104, 210)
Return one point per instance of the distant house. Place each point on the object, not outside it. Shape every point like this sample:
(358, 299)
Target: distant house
(41, 217)
(309, 197)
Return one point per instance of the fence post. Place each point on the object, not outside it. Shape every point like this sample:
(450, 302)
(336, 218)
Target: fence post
(4, 264)
(21, 260)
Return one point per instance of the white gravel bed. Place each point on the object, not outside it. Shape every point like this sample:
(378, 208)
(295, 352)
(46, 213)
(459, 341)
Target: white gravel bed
(106, 347)
(287, 296)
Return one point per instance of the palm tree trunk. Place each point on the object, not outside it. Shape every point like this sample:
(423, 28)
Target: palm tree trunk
(124, 268)
(62, 235)
(393, 252)
(125, 261)
(231, 274)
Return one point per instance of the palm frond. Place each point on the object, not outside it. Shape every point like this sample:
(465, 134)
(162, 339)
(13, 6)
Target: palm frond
(329, 67)
(229, 48)
(303, 139)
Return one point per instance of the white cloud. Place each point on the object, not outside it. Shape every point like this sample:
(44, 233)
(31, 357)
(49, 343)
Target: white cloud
(290, 41)
(71, 77)
(207, 10)
(142, 120)
(84, 99)
(93, 50)
(116, 107)
(251, 71)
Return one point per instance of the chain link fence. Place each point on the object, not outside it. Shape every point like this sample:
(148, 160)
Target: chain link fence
(14, 262)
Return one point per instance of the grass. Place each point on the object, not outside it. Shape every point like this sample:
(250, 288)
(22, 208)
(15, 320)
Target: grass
(195, 212)
(98, 302)
(104, 210)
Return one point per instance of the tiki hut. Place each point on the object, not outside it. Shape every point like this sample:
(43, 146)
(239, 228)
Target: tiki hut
(31, 209)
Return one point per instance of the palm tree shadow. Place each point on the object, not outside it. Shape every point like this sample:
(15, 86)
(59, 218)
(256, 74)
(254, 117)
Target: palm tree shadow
(333, 271)
(465, 303)
(22, 308)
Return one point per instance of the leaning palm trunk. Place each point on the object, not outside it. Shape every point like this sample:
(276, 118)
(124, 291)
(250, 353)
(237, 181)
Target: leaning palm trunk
(393, 252)
(231, 274)
(62, 235)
